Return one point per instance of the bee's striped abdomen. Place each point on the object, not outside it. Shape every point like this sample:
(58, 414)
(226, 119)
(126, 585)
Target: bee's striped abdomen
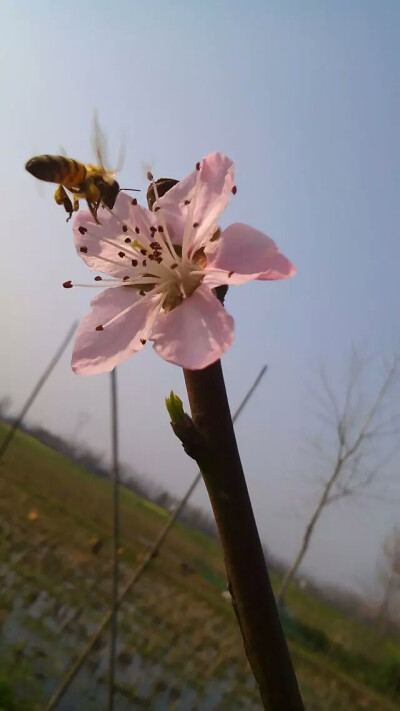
(57, 169)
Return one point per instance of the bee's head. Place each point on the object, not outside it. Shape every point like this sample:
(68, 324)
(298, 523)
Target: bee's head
(108, 190)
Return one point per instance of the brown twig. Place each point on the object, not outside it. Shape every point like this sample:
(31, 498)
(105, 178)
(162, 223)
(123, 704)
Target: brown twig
(249, 584)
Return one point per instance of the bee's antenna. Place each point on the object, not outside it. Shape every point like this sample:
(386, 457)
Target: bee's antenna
(131, 190)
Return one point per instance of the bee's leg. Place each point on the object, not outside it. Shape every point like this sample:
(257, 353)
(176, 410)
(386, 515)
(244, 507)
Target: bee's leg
(93, 209)
(74, 207)
(61, 198)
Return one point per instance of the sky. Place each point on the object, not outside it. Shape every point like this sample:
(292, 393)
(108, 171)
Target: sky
(303, 96)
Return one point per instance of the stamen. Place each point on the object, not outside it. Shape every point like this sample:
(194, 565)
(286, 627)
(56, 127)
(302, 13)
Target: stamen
(100, 328)
(189, 216)
(166, 236)
(149, 296)
(111, 242)
(68, 284)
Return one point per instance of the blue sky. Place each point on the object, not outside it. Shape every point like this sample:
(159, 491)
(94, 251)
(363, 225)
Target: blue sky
(303, 96)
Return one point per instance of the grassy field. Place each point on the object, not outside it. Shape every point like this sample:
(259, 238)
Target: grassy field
(179, 644)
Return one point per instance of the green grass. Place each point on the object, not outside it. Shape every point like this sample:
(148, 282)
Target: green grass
(185, 614)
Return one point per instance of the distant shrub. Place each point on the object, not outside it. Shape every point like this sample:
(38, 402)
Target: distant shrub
(7, 700)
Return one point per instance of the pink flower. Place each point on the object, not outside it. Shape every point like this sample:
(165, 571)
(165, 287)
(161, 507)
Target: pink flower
(162, 267)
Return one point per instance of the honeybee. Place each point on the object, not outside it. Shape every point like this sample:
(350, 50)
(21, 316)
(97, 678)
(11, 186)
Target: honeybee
(93, 182)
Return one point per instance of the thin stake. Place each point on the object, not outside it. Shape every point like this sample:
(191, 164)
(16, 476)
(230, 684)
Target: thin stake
(115, 541)
(36, 390)
(75, 667)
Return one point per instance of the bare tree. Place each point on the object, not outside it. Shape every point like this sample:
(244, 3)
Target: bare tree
(353, 445)
(5, 405)
(389, 574)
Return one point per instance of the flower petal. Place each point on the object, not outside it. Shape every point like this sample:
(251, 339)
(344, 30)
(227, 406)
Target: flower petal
(92, 241)
(246, 253)
(210, 187)
(196, 333)
(100, 351)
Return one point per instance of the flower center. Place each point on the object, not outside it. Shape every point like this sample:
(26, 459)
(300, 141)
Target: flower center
(183, 279)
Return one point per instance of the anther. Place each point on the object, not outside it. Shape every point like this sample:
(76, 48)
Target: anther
(137, 230)
(124, 228)
(143, 251)
(230, 274)
(160, 228)
(144, 262)
(153, 229)
(127, 240)
(155, 245)
(150, 175)
(134, 201)
(134, 262)
(234, 190)
(173, 266)
(142, 292)
(82, 230)
(98, 278)
(99, 328)
(83, 249)
(195, 225)
(143, 341)
(126, 278)
(68, 284)
(121, 254)
(187, 202)
(198, 166)
(156, 209)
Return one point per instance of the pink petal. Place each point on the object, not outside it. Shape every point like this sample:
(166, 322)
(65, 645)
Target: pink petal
(246, 253)
(212, 193)
(98, 254)
(196, 333)
(100, 351)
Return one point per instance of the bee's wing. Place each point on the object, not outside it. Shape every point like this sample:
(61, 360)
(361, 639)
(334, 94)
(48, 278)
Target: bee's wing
(99, 143)
(121, 154)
